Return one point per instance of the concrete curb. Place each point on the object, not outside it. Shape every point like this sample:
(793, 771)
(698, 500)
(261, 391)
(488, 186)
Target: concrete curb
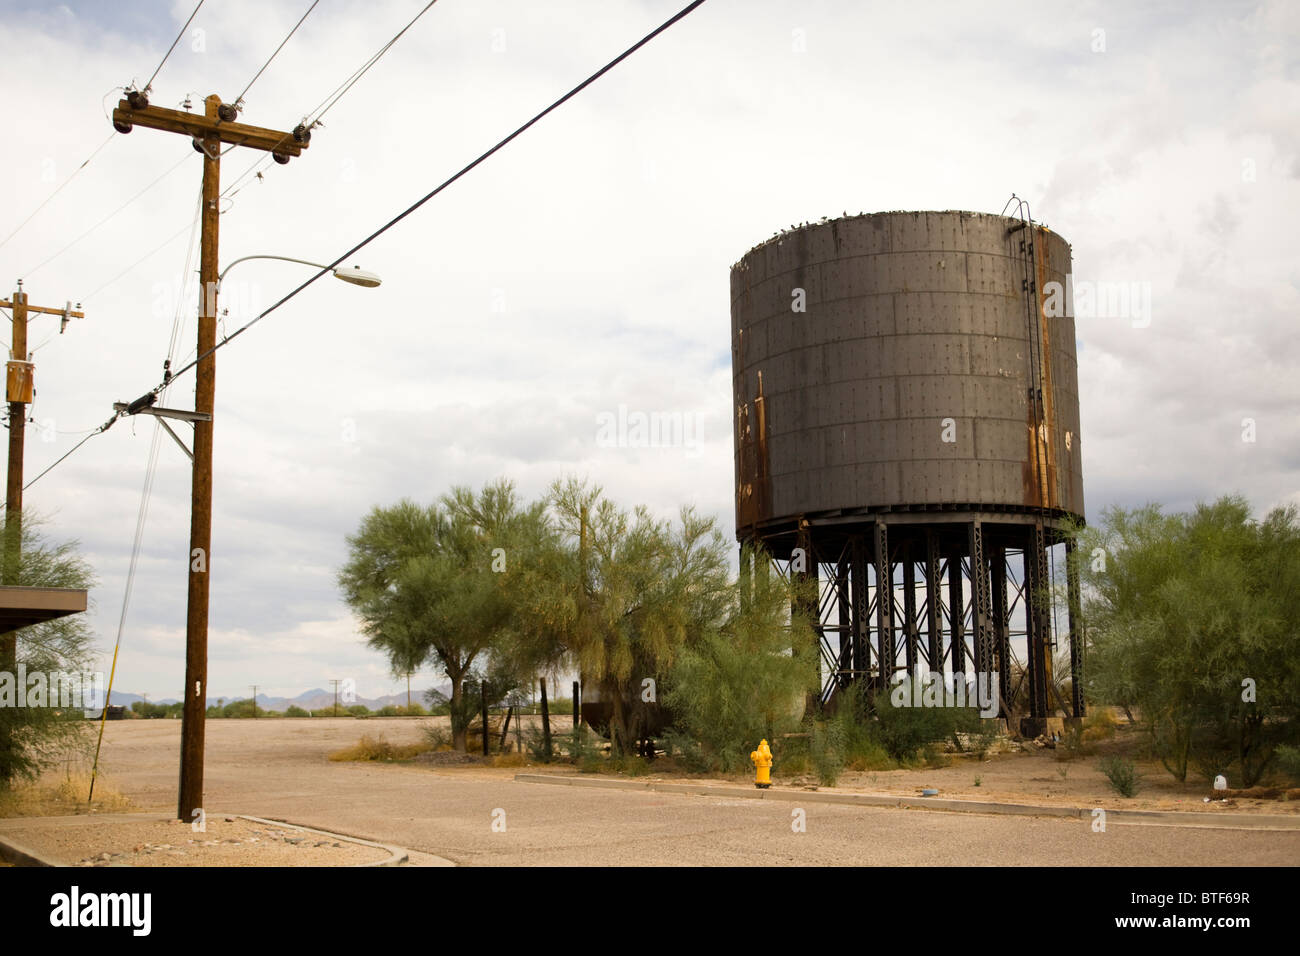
(396, 854)
(20, 855)
(1166, 818)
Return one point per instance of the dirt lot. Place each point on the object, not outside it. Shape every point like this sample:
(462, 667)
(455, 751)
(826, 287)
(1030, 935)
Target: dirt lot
(145, 752)
(280, 769)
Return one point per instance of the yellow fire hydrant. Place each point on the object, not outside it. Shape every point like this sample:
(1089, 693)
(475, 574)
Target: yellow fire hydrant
(762, 758)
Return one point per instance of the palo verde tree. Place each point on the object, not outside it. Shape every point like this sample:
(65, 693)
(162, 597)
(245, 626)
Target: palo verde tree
(429, 583)
(1192, 626)
(35, 735)
(620, 594)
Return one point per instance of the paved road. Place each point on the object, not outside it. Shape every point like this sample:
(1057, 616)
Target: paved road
(278, 768)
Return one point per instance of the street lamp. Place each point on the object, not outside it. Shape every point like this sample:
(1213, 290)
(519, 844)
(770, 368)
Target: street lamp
(356, 275)
(190, 791)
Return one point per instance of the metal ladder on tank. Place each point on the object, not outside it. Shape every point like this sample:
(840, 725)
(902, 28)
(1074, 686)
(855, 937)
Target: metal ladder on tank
(1029, 286)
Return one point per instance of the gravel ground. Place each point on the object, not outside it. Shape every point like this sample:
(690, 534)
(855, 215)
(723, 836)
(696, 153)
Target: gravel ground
(120, 840)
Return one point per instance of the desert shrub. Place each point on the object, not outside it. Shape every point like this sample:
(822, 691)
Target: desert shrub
(1099, 725)
(1074, 743)
(1122, 774)
(378, 748)
(859, 736)
(240, 708)
(580, 743)
(65, 797)
(1212, 751)
(686, 750)
(629, 764)
(982, 741)
(865, 752)
(826, 750)
(152, 711)
(932, 756)
(1288, 761)
(293, 710)
(904, 730)
(438, 738)
(535, 744)
(790, 755)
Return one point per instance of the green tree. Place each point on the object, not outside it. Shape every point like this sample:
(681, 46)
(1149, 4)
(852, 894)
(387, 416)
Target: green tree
(621, 594)
(1192, 622)
(33, 738)
(748, 678)
(426, 583)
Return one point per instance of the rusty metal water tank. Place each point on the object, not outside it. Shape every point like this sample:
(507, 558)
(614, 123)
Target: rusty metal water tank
(907, 418)
(894, 364)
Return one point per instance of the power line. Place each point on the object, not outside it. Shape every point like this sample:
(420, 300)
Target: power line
(240, 98)
(317, 114)
(141, 516)
(51, 196)
(178, 322)
(45, 427)
(314, 117)
(148, 86)
(149, 255)
(680, 15)
(101, 222)
(98, 431)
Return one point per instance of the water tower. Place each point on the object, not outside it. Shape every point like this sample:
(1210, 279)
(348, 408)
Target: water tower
(907, 434)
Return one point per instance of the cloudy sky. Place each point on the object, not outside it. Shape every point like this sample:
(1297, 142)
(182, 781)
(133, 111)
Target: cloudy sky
(585, 267)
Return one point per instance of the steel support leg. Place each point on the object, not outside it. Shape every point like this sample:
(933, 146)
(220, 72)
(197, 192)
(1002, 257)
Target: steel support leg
(861, 601)
(909, 608)
(981, 623)
(803, 568)
(1001, 624)
(845, 609)
(956, 615)
(1038, 627)
(884, 605)
(1076, 630)
(933, 600)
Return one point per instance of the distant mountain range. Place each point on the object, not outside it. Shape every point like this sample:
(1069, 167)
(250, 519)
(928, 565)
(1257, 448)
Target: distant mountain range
(315, 699)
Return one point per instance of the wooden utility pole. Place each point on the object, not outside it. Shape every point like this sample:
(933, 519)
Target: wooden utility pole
(254, 686)
(336, 695)
(209, 133)
(20, 389)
